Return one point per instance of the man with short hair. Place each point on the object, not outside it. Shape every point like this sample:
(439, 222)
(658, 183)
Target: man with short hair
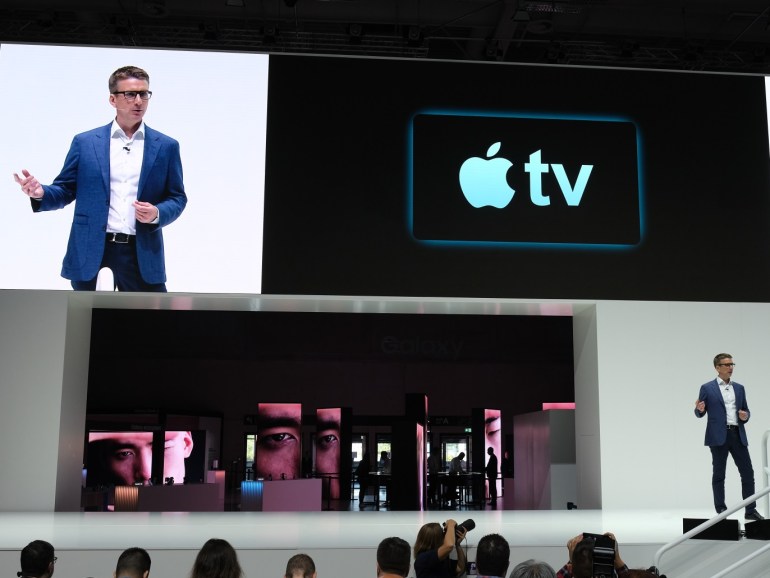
(394, 556)
(133, 563)
(492, 556)
(300, 566)
(728, 411)
(37, 560)
(126, 181)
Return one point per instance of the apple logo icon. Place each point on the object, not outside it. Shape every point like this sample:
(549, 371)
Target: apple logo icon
(483, 181)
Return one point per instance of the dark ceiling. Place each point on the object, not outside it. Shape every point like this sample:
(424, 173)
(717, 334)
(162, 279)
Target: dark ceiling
(704, 35)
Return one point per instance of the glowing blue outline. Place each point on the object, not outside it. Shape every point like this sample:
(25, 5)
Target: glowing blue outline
(524, 244)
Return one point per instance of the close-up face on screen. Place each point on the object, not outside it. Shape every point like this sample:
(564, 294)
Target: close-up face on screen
(125, 458)
(214, 104)
(278, 441)
(492, 425)
(327, 447)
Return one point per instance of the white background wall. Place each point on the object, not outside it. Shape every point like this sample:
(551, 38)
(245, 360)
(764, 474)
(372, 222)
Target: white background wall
(653, 357)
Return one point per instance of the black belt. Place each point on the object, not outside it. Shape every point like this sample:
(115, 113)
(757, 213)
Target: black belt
(120, 238)
(735, 427)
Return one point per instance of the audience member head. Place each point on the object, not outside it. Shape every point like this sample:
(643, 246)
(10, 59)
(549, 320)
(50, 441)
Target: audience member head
(37, 560)
(300, 566)
(533, 569)
(217, 559)
(133, 563)
(493, 555)
(583, 559)
(393, 557)
(430, 537)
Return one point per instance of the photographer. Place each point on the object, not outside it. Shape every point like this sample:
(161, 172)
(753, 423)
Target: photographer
(433, 546)
(581, 559)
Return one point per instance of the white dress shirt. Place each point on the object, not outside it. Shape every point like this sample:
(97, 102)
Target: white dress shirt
(728, 394)
(125, 167)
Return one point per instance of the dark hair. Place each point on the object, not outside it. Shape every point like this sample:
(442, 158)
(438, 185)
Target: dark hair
(583, 559)
(394, 556)
(301, 564)
(134, 562)
(35, 558)
(126, 72)
(492, 555)
(217, 559)
(720, 356)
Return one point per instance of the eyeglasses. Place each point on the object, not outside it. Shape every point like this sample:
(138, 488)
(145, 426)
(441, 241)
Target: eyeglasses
(726, 364)
(132, 94)
(55, 559)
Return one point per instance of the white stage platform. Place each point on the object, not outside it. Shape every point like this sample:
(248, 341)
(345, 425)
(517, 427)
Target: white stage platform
(343, 544)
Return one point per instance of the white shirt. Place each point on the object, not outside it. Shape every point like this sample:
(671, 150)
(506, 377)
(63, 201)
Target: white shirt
(125, 167)
(728, 394)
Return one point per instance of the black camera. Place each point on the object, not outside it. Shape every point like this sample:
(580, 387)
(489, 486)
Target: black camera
(602, 553)
(467, 525)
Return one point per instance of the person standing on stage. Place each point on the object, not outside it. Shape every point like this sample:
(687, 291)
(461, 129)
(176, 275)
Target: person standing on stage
(724, 400)
(491, 471)
(126, 181)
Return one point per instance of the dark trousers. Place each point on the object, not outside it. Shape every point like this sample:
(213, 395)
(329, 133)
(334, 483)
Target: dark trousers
(740, 453)
(433, 484)
(121, 259)
(492, 488)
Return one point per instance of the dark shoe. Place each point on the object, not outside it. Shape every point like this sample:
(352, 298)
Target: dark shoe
(720, 511)
(754, 516)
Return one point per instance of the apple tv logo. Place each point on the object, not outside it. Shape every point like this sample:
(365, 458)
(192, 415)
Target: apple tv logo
(483, 182)
(524, 180)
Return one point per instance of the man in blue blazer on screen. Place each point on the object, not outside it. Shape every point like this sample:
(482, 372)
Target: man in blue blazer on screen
(724, 400)
(126, 181)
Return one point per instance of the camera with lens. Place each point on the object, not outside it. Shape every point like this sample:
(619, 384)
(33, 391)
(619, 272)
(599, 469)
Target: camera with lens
(467, 525)
(602, 553)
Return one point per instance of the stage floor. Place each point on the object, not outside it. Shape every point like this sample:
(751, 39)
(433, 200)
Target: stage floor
(343, 543)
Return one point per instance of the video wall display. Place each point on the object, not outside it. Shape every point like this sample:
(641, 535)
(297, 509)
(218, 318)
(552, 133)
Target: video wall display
(492, 438)
(452, 179)
(125, 458)
(420, 482)
(279, 441)
(411, 177)
(213, 104)
(328, 459)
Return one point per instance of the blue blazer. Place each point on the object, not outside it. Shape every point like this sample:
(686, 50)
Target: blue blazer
(85, 179)
(716, 426)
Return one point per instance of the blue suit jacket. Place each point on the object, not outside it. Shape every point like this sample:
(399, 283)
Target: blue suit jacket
(85, 178)
(716, 426)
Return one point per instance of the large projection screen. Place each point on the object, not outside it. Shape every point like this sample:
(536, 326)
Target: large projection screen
(214, 104)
